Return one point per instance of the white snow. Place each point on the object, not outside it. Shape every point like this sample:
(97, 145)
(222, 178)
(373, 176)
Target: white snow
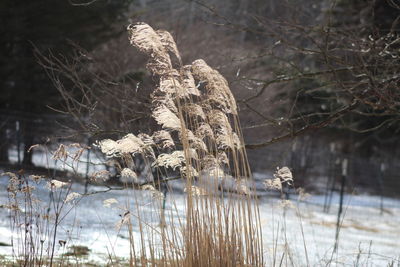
(368, 236)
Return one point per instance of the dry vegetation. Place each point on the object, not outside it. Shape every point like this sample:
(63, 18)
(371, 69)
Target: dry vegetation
(198, 140)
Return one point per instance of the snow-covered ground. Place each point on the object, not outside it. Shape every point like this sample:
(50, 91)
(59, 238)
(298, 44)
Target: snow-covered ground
(304, 229)
(368, 235)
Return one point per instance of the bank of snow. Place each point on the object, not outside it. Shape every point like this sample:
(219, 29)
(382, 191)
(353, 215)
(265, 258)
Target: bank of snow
(304, 230)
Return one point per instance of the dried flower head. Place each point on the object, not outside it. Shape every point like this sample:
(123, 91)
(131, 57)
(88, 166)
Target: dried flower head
(129, 144)
(173, 160)
(36, 178)
(72, 197)
(188, 81)
(56, 184)
(128, 176)
(155, 194)
(273, 184)
(195, 191)
(224, 136)
(161, 99)
(148, 41)
(163, 139)
(170, 84)
(194, 141)
(27, 189)
(60, 153)
(169, 44)
(218, 92)
(242, 187)
(79, 151)
(284, 174)
(146, 139)
(222, 158)
(216, 172)
(166, 118)
(100, 176)
(148, 187)
(195, 111)
(281, 176)
(188, 171)
(204, 130)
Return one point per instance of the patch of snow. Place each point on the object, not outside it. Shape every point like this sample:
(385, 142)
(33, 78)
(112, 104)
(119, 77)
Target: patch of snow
(305, 231)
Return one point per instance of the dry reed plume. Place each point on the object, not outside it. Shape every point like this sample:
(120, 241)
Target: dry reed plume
(199, 140)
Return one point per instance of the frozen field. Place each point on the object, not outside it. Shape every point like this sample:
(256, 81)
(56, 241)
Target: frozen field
(367, 236)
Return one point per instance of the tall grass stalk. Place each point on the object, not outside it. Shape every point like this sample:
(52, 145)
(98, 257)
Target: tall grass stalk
(199, 139)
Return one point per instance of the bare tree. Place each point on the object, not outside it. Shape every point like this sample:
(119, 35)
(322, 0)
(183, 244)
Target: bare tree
(321, 71)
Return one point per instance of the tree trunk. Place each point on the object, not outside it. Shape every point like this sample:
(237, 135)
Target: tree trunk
(3, 145)
(28, 139)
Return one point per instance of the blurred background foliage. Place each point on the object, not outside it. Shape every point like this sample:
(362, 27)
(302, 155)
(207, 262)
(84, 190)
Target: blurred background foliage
(314, 80)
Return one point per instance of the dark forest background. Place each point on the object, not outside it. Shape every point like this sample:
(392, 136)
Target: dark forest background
(315, 81)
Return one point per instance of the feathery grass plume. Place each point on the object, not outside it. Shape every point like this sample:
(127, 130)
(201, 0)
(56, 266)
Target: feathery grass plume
(129, 144)
(169, 44)
(192, 153)
(55, 184)
(166, 118)
(204, 130)
(147, 139)
(194, 141)
(284, 174)
(36, 178)
(236, 141)
(224, 136)
(100, 176)
(72, 196)
(171, 85)
(163, 139)
(128, 176)
(273, 184)
(204, 134)
(222, 158)
(216, 172)
(148, 41)
(195, 191)
(188, 171)
(211, 167)
(194, 111)
(188, 81)
(281, 176)
(173, 160)
(218, 92)
(154, 192)
(162, 99)
(242, 186)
